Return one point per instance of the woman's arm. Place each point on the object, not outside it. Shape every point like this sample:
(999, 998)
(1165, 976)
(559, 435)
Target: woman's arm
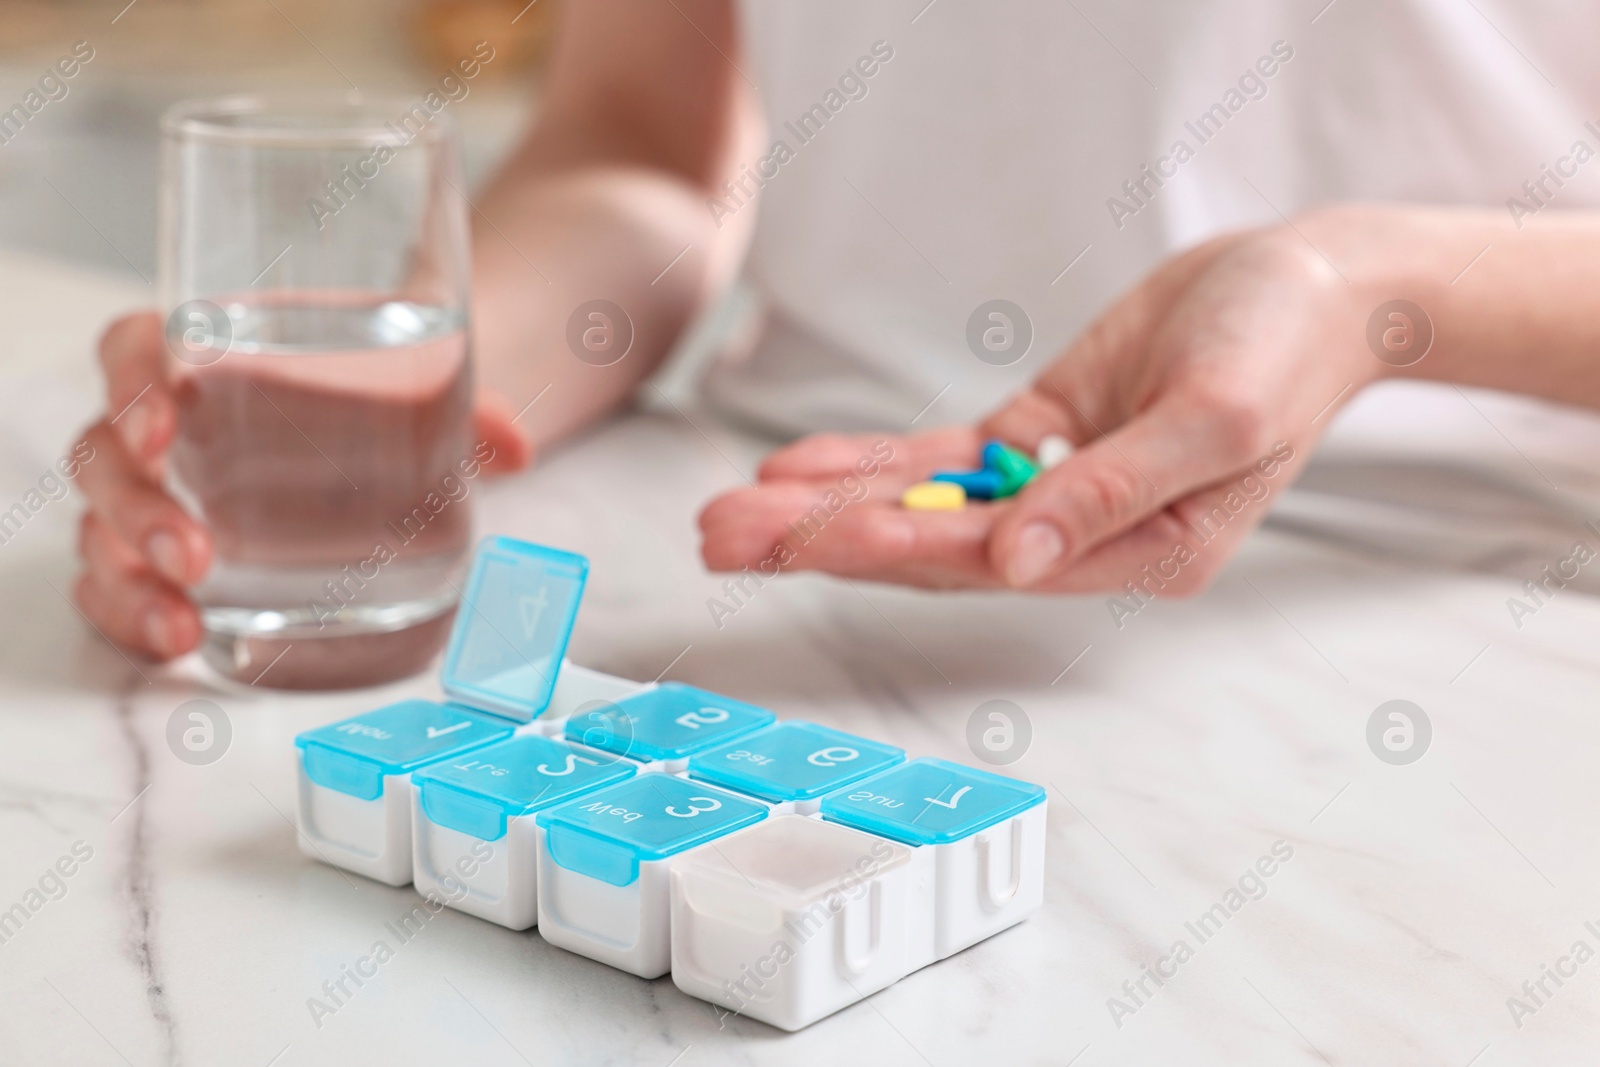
(645, 115)
(1198, 394)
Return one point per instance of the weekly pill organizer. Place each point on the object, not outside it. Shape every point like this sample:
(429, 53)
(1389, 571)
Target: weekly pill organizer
(781, 869)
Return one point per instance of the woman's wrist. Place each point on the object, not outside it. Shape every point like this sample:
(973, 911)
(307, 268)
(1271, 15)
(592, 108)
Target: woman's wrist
(1465, 295)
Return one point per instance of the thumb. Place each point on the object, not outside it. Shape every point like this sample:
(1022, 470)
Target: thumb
(1112, 485)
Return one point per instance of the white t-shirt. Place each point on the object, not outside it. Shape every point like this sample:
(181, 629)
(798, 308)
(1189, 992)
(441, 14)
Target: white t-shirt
(985, 154)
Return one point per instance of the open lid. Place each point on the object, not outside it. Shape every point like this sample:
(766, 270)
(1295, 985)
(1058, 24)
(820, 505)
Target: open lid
(512, 627)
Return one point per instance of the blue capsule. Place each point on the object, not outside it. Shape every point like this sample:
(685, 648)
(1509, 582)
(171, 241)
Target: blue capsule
(980, 484)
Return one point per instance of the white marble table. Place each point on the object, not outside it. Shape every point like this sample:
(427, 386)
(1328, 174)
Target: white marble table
(1178, 750)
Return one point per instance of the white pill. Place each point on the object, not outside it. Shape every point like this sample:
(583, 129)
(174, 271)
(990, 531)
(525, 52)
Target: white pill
(1053, 451)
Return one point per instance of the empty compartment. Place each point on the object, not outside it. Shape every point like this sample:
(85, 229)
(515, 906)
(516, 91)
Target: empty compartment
(578, 690)
(795, 918)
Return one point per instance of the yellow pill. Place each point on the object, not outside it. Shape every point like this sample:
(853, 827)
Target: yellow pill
(934, 496)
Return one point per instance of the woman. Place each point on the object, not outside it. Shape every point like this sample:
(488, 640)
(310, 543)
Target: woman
(911, 163)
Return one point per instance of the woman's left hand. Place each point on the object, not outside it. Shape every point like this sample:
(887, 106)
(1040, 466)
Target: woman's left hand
(1189, 402)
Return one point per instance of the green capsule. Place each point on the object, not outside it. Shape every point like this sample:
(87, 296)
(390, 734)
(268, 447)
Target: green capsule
(1016, 468)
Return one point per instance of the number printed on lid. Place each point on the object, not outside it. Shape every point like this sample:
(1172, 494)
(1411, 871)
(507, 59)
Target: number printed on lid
(402, 736)
(526, 773)
(672, 721)
(793, 761)
(930, 802)
(655, 815)
(512, 627)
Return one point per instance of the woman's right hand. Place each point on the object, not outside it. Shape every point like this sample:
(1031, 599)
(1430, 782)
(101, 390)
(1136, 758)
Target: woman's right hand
(141, 551)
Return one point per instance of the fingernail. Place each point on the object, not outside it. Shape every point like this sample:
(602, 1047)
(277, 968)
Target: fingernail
(158, 631)
(134, 425)
(1039, 547)
(165, 550)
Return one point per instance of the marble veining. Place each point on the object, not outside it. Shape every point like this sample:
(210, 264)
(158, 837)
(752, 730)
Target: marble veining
(137, 877)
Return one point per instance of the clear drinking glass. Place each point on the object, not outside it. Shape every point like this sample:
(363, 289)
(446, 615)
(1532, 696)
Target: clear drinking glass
(314, 274)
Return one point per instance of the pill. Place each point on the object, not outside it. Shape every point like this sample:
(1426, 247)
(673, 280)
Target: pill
(1016, 468)
(934, 496)
(979, 485)
(1053, 451)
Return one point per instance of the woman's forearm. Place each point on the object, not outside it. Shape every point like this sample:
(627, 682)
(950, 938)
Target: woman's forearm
(550, 246)
(1511, 308)
(606, 201)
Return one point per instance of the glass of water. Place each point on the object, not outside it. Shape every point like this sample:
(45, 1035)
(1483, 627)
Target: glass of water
(314, 275)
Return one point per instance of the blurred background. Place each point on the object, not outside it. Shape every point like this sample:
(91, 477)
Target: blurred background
(78, 182)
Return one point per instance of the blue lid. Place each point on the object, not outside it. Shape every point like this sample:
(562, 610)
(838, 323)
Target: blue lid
(669, 722)
(930, 802)
(353, 756)
(793, 761)
(478, 791)
(512, 627)
(608, 833)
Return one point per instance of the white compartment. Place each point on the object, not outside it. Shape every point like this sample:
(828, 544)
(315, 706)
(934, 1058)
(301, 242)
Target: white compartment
(603, 862)
(983, 833)
(353, 800)
(368, 837)
(494, 880)
(988, 882)
(625, 926)
(795, 918)
(472, 821)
